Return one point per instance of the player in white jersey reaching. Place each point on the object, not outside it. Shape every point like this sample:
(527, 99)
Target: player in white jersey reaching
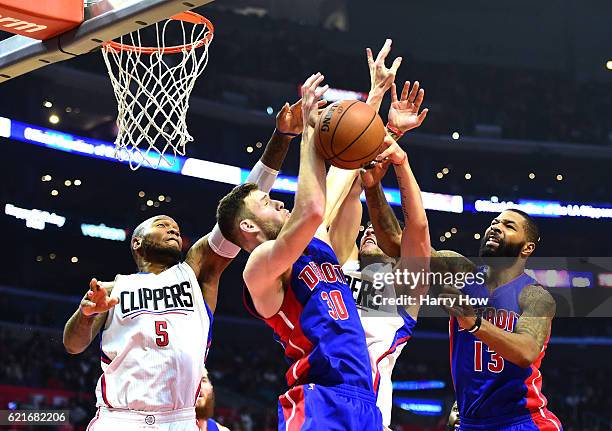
(387, 328)
(155, 325)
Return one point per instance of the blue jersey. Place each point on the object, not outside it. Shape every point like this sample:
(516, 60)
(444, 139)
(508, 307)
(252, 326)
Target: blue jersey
(318, 324)
(491, 390)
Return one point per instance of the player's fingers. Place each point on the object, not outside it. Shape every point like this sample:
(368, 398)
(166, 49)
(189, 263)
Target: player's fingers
(396, 64)
(93, 284)
(413, 92)
(388, 141)
(321, 91)
(321, 103)
(382, 156)
(419, 99)
(90, 294)
(393, 93)
(405, 90)
(384, 51)
(283, 110)
(296, 105)
(308, 83)
(422, 116)
(113, 301)
(370, 57)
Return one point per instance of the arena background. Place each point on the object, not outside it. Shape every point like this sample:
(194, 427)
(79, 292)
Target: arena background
(520, 99)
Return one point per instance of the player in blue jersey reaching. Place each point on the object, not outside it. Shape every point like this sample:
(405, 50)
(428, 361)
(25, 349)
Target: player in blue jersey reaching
(497, 348)
(295, 284)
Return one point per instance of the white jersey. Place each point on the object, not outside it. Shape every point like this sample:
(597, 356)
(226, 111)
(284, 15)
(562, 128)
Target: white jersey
(387, 329)
(154, 342)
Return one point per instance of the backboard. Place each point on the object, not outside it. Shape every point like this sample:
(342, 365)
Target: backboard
(104, 20)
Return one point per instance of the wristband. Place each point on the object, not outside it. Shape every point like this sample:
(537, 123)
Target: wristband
(476, 326)
(293, 135)
(403, 160)
(395, 131)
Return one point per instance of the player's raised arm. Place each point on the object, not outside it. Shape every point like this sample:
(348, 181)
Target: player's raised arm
(211, 254)
(86, 322)
(523, 346)
(381, 77)
(269, 261)
(415, 246)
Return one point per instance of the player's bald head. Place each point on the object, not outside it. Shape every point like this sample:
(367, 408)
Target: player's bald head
(139, 231)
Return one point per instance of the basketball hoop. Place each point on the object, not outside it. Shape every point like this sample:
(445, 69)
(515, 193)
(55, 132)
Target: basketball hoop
(152, 86)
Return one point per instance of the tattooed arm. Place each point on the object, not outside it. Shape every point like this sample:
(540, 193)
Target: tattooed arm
(386, 226)
(450, 261)
(523, 346)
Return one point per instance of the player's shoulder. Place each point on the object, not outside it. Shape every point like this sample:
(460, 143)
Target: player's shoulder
(258, 260)
(536, 300)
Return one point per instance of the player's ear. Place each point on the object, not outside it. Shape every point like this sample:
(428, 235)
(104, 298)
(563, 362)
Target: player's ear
(248, 226)
(136, 243)
(528, 249)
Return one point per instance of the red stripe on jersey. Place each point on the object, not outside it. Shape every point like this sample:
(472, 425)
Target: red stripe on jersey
(535, 399)
(197, 393)
(384, 355)
(104, 391)
(94, 420)
(286, 324)
(292, 403)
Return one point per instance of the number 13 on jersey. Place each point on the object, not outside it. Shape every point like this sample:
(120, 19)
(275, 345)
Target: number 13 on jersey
(495, 365)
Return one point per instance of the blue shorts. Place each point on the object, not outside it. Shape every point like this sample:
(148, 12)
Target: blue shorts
(543, 420)
(321, 408)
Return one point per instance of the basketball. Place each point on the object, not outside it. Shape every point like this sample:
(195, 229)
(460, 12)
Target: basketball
(349, 134)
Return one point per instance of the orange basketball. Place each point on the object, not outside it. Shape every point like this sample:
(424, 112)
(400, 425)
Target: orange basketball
(349, 134)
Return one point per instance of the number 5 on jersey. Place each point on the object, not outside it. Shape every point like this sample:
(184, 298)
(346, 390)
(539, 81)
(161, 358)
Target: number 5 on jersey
(496, 365)
(161, 327)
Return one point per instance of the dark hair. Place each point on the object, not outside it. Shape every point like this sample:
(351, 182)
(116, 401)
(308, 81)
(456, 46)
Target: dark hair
(531, 227)
(231, 208)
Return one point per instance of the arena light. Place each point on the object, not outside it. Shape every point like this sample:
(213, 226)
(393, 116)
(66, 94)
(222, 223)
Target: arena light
(424, 407)
(34, 218)
(418, 385)
(229, 174)
(609, 64)
(54, 119)
(5, 127)
(335, 94)
(604, 279)
(104, 232)
(545, 208)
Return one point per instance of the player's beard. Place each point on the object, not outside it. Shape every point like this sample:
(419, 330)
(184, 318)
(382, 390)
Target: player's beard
(270, 229)
(372, 255)
(160, 252)
(502, 250)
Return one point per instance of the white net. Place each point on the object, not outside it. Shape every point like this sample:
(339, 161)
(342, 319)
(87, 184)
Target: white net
(152, 87)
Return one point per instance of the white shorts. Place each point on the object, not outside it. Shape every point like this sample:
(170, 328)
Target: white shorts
(107, 419)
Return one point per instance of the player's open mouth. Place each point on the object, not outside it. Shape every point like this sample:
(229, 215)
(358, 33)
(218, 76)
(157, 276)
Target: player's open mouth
(493, 240)
(369, 240)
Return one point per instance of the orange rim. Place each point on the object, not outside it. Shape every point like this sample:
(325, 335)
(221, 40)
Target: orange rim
(188, 16)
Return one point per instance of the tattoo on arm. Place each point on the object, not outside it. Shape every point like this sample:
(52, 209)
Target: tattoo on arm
(275, 152)
(384, 220)
(538, 309)
(451, 261)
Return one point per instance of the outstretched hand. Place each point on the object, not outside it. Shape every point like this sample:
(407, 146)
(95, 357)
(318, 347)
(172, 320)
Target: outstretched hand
(311, 95)
(393, 152)
(372, 175)
(382, 77)
(97, 299)
(404, 113)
